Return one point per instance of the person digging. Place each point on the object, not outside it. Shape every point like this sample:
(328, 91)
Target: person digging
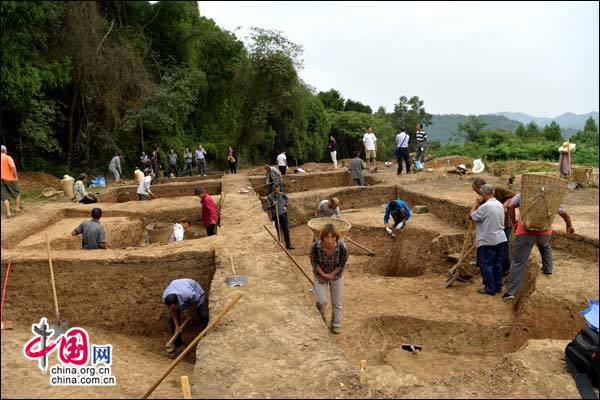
(183, 295)
(400, 213)
(329, 208)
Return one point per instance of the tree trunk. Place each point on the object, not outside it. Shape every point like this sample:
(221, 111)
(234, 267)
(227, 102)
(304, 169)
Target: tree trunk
(71, 123)
(142, 136)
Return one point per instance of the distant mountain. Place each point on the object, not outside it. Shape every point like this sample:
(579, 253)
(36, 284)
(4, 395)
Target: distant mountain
(566, 120)
(445, 126)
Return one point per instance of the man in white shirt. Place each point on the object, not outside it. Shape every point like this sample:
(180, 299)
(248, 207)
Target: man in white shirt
(282, 162)
(402, 154)
(143, 190)
(370, 143)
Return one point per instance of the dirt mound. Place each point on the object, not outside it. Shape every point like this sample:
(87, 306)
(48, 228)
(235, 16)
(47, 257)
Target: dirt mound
(37, 181)
(451, 161)
(519, 167)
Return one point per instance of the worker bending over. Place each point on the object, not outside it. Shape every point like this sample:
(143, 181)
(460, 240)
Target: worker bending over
(329, 208)
(399, 211)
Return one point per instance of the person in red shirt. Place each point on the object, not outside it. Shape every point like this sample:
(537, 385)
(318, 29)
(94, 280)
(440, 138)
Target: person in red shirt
(10, 188)
(524, 241)
(210, 216)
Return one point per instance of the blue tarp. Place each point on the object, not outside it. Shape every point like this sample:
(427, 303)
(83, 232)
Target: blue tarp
(98, 181)
(591, 314)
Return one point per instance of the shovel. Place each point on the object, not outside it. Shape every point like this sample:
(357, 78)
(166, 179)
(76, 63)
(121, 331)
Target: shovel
(235, 280)
(453, 274)
(59, 327)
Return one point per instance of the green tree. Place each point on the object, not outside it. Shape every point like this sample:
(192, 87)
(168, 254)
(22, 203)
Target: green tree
(590, 125)
(407, 113)
(357, 106)
(471, 128)
(552, 132)
(332, 100)
(29, 75)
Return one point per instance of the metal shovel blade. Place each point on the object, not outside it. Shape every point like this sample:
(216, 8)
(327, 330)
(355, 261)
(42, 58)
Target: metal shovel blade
(236, 280)
(59, 327)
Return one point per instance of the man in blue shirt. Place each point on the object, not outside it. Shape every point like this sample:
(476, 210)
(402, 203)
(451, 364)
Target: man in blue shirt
(399, 211)
(182, 295)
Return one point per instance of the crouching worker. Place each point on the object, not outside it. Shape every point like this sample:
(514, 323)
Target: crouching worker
(81, 195)
(143, 190)
(179, 230)
(399, 211)
(183, 295)
(329, 208)
(328, 257)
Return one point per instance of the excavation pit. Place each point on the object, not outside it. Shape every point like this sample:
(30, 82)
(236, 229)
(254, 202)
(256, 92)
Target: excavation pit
(115, 294)
(121, 232)
(309, 181)
(167, 190)
(413, 252)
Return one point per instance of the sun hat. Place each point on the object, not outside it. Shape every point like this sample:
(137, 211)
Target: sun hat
(567, 147)
(478, 166)
(462, 166)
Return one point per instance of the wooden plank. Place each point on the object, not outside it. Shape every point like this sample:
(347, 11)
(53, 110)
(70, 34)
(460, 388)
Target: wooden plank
(185, 386)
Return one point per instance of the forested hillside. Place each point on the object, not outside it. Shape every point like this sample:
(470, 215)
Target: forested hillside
(83, 80)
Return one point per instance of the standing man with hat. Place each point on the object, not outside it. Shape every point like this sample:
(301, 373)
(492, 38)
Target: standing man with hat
(10, 188)
(564, 158)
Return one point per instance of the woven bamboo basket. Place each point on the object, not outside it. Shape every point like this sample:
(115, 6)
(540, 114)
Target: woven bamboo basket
(316, 224)
(541, 196)
(582, 175)
(159, 232)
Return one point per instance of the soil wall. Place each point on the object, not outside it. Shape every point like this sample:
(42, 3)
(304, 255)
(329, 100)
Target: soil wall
(124, 295)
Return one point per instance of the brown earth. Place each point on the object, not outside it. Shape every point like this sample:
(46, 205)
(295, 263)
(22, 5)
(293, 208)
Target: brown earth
(273, 343)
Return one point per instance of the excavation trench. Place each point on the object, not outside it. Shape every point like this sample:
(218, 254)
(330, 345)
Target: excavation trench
(166, 190)
(414, 251)
(121, 231)
(304, 182)
(115, 294)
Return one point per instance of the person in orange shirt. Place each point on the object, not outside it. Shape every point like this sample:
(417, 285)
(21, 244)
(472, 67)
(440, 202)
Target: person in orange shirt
(10, 189)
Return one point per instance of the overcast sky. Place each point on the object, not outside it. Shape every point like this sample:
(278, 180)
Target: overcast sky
(540, 58)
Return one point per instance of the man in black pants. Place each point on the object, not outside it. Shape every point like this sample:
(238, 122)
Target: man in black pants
(402, 140)
(281, 223)
(182, 295)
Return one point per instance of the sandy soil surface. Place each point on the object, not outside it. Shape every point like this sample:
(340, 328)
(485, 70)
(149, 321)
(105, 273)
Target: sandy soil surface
(273, 344)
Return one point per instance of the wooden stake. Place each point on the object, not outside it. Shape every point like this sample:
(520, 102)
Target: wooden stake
(363, 372)
(5, 324)
(52, 279)
(212, 323)
(185, 386)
